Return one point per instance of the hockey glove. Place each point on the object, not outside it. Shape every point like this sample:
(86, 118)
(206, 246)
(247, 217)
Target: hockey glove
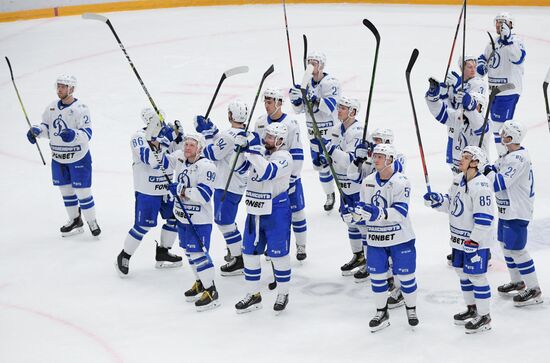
(363, 151)
(318, 159)
(316, 146)
(481, 65)
(295, 95)
(489, 169)
(433, 91)
(470, 248)
(33, 133)
(453, 80)
(173, 188)
(370, 212)
(505, 33)
(249, 142)
(433, 200)
(205, 126)
(167, 132)
(67, 135)
(466, 100)
(312, 95)
(347, 217)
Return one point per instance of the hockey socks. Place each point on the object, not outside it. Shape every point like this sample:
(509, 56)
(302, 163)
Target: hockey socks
(233, 238)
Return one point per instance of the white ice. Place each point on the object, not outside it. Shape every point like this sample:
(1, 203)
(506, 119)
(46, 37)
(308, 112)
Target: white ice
(60, 298)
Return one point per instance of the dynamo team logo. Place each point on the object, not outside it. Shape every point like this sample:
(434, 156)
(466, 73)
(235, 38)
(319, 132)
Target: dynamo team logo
(378, 200)
(458, 206)
(59, 125)
(184, 178)
(495, 61)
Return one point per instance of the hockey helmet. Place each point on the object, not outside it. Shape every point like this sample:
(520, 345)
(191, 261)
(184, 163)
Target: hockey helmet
(351, 103)
(273, 93)
(505, 16)
(386, 135)
(513, 129)
(279, 131)
(385, 149)
(239, 111)
(319, 57)
(477, 154)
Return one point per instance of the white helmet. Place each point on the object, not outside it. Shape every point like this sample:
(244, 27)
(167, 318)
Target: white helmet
(467, 58)
(239, 111)
(385, 149)
(351, 103)
(273, 93)
(386, 135)
(512, 129)
(149, 115)
(279, 131)
(477, 154)
(66, 79)
(319, 57)
(199, 138)
(505, 16)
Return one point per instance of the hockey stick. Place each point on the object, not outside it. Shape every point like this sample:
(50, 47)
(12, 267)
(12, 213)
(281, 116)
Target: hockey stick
(106, 20)
(492, 46)
(462, 61)
(288, 44)
(494, 92)
(25, 112)
(273, 285)
(376, 34)
(454, 40)
(412, 60)
(238, 151)
(545, 91)
(226, 74)
(305, 50)
(317, 134)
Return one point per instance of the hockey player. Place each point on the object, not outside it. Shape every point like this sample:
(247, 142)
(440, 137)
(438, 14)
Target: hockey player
(273, 102)
(473, 84)
(220, 151)
(503, 66)
(469, 204)
(151, 193)
(194, 178)
(68, 126)
(340, 144)
(384, 207)
(269, 214)
(513, 182)
(323, 91)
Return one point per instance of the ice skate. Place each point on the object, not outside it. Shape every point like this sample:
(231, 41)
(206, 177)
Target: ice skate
(301, 253)
(94, 228)
(208, 300)
(165, 259)
(280, 303)
(122, 264)
(463, 317)
(227, 256)
(478, 324)
(234, 267)
(411, 316)
(72, 227)
(356, 261)
(329, 204)
(250, 303)
(511, 288)
(395, 299)
(450, 260)
(528, 297)
(361, 275)
(380, 321)
(193, 294)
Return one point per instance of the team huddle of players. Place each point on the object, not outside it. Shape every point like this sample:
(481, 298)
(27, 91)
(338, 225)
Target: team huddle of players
(195, 178)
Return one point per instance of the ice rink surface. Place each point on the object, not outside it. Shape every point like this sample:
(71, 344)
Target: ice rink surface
(61, 300)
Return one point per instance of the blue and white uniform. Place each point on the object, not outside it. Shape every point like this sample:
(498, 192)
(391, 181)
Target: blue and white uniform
(220, 151)
(293, 144)
(514, 186)
(71, 161)
(326, 93)
(389, 234)
(470, 206)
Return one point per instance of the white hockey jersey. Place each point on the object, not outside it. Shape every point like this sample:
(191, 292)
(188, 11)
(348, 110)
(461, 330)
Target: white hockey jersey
(460, 133)
(221, 152)
(393, 195)
(293, 143)
(269, 176)
(473, 85)
(345, 140)
(514, 185)
(148, 176)
(507, 64)
(471, 211)
(324, 110)
(58, 116)
(198, 180)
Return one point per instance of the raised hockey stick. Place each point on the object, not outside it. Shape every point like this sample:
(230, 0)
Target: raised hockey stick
(545, 91)
(412, 60)
(305, 50)
(24, 111)
(229, 73)
(288, 44)
(454, 40)
(106, 20)
(376, 34)
(494, 92)
(238, 151)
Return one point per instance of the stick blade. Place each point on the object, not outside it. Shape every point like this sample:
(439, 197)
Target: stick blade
(412, 60)
(372, 28)
(92, 16)
(236, 70)
(270, 70)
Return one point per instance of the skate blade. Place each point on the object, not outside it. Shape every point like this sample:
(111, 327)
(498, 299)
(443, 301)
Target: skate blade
(461, 322)
(509, 295)
(120, 273)
(278, 312)
(395, 306)
(192, 299)
(232, 273)
(528, 302)
(167, 264)
(249, 309)
(380, 327)
(213, 305)
(349, 273)
(74, 232)
(480, 330)
(360, 281)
